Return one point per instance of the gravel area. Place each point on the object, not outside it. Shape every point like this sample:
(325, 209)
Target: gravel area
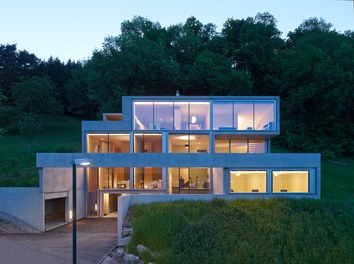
(12, 224)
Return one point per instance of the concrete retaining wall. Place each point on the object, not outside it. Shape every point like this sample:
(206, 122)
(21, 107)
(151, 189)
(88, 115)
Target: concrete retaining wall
(25, 203)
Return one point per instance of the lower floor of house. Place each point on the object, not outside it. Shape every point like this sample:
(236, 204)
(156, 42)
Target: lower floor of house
(106, 184)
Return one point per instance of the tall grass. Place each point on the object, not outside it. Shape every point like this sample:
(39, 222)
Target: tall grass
(246, 231)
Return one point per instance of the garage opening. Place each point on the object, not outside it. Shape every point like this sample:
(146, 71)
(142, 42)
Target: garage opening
(54, 213)
(110, 207)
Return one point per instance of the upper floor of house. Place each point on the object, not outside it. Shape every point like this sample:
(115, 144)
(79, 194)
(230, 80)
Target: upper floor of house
(230, 114)
(186, 124)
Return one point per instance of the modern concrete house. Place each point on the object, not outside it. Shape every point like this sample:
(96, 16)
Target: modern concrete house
(177, 146)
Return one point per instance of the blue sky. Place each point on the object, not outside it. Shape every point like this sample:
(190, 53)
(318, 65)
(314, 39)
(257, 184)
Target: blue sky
(74, 28)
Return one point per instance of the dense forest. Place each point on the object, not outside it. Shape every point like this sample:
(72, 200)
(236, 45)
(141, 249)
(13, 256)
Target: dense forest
(312, 70)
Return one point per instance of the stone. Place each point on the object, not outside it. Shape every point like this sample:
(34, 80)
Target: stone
(130, 259)
(126, 232)
(119, 252)
(141, 249)
(124, 241)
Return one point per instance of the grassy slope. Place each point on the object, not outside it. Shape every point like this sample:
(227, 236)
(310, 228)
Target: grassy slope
(246, 231)
(58, 135)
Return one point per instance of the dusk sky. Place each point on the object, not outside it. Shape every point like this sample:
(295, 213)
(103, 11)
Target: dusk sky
(73, 29)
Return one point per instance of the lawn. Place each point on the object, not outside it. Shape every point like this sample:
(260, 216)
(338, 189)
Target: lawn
(246, 231)
(18, 156)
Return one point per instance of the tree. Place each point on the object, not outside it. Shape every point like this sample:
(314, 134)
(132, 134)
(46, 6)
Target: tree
(30, 127)
(14, 65)
(36, 95)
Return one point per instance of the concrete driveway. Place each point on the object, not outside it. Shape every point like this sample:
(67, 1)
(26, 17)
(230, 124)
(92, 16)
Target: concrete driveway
(95, 239)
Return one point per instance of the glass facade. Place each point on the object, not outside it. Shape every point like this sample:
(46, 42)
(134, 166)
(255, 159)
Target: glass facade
(149, 178)
(248, 181)
(147, 143)
(244, 115)
(108, 143)
(290, 181)
(171, 115)
(189, 180)
(188, 143)
(225, 144)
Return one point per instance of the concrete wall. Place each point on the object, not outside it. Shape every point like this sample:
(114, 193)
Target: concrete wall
(57, 182)
(25, 203)
(276, 160)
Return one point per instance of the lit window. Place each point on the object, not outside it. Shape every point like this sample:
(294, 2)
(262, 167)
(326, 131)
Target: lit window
(248, 181)
(290, 181)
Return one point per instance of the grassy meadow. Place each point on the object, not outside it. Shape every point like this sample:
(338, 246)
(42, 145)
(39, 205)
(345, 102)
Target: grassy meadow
(18, 155)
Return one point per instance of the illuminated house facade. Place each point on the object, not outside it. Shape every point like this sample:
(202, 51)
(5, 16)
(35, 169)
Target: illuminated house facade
(177, 145)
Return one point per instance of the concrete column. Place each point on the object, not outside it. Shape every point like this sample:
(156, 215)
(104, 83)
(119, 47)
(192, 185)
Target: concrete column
(211, 180)
(269, 181)
(164, 179)
(226, 173)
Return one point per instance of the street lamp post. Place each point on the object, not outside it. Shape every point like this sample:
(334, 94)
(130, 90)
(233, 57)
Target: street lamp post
(82, 163)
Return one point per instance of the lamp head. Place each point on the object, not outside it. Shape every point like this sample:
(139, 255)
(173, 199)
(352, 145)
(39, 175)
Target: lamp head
(82, 162)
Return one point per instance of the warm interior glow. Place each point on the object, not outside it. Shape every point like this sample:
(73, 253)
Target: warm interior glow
(70, 214)
(290, 181)
(95, 206)
(248, 181)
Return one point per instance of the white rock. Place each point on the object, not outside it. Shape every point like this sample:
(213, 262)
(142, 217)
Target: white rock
(141, 248)
(130, 259)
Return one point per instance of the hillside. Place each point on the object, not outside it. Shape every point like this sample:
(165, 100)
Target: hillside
(17, 165)
(245, 231)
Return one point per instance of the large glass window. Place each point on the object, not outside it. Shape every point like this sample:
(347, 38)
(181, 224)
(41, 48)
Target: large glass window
(189, 180)
(256, 146)
(149, 178)
(199, 118)
(264, 115)
(181, 115)
(147, 143)
(108, 143)
(248, 181)
(290, 181)
(143, 116)
(243, 115)
(177, 115)
(228, 144)
(223, 116)
(188, 143)
(163, 115)
(238, 146)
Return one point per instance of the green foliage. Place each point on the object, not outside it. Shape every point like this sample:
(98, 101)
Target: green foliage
(246, 231)
(36, 95)
(312, 71)
(30, 125)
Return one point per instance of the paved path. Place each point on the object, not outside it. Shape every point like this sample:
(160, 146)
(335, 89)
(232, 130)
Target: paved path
(95, 239)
